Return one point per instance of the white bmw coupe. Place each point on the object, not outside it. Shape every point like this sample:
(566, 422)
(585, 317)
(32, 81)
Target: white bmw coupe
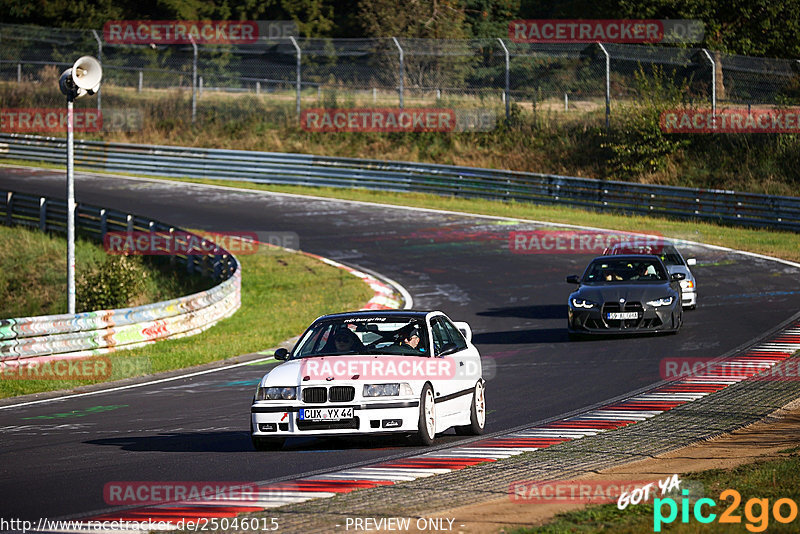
(373, 372)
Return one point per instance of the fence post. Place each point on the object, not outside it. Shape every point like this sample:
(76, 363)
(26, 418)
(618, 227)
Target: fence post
(402, 69)
(19, 72)
(299, 74)
(194, 79)
(100, 59)
(200, 86)
(506, 94)
(713, 85)
(141, 81)
(608, 86)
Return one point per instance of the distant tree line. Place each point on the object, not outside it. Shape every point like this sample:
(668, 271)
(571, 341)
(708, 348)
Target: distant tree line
(767, 28)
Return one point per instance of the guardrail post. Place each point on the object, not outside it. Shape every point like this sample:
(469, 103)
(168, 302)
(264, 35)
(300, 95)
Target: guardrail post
(9, 208)
(129, 222)
(172, 241)
(713, 85)
(608, 86)
(194, 79)
(299, 74)
(42, 214)
(103, 223)
(100, 59)
(402, 70)
(506, 94)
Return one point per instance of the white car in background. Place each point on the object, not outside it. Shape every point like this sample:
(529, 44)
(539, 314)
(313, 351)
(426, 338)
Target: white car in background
(672, 258)
(373, 372)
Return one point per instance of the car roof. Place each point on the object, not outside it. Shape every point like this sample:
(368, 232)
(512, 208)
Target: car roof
(633, 257)
(418, 314)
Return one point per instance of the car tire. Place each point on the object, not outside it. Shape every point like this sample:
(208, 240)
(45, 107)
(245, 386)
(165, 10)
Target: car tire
(477, 413)
(426, 428)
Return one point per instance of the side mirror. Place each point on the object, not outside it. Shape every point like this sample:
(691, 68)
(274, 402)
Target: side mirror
(573, 279)
(282, 354)
(465, 329)
(678, 276)
(691, 262)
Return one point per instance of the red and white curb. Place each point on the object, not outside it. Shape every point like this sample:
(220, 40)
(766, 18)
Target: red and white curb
(385, 295)
(744, 365)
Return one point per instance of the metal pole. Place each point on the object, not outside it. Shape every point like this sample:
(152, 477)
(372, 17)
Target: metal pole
(713, 84)
(141, 81)
(506, 95)
(70, 212)
(19, 72)
(100, 59)
(402, 69)
(608, 86)
(299, 77)
(194, 80)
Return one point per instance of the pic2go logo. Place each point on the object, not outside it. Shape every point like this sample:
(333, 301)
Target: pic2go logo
(783, 511)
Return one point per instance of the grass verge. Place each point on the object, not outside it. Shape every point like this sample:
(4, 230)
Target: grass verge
(770, 480)
(33, 274)
(282, 293)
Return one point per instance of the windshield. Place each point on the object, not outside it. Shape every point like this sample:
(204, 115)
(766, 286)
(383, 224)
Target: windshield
(405, 336)
(668, 253)
(611, 270)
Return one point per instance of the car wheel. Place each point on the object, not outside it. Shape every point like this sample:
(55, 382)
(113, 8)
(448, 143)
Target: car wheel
(477, 413)
(426, 429)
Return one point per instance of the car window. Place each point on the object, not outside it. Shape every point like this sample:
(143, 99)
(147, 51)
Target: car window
(455, 334)
(440, 335)
(359, 334)
(613, 270)
(444, 333)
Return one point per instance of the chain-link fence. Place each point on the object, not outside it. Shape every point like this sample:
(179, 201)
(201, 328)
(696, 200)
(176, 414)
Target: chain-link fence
(283, 76)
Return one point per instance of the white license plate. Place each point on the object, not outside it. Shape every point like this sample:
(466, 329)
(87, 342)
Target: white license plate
(622, 315)
(325, 414)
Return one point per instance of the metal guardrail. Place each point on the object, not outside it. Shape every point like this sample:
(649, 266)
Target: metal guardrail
(98, 332)
(724, 206)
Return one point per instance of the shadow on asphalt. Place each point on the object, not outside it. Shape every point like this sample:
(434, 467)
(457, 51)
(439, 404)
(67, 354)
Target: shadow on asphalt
(544, 311)
(238, 441)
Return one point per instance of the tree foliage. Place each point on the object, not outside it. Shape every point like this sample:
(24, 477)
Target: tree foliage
(750, 27)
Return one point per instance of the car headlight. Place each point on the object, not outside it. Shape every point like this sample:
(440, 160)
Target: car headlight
(387, 390)
(582, 303)
(277, 393)
(665, 301)
(687, 284)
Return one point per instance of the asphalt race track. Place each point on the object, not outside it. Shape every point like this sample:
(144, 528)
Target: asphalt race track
(56, 457)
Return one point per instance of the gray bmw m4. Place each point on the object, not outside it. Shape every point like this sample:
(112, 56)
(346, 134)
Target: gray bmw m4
(630, 294)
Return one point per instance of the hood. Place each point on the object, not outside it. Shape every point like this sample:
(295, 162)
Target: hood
(286, 374)
(639, 292)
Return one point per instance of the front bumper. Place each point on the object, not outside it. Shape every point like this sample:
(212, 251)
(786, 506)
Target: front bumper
(651, 320)
(277, 420)
(689, 298)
